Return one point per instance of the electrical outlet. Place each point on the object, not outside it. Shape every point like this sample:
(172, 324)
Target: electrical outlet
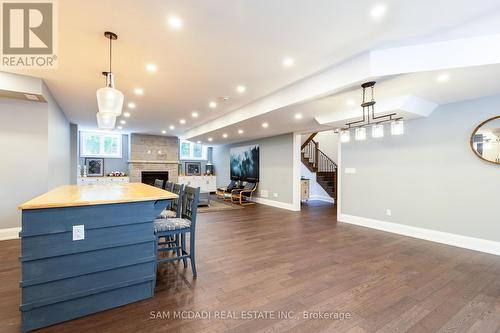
(78, 232)
(264, 193)
(275, 195)
(388, 212)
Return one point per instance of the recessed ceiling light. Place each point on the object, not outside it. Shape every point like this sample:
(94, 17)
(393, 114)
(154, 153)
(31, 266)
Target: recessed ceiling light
(131, 105)
(31, 97)
(288, 62)
(378, 11)
(139, 91)
(212, 105)
(171, 127)
(298, 116)
(194, 114)
(123, 122)
(265, 125)
(349, 102)
(174, 22)
(151, 68)
(120, 127)
(210, 139)
(241, 89)
(224, 135)
(443, 77)
(163, 132)
(240, 131)
(182, 121)
(198, 142)
(126, 114)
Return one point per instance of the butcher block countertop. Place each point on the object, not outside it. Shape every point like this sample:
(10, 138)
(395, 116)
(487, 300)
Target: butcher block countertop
(98, 194)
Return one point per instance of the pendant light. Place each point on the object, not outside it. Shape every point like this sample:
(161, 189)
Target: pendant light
(109, 99)
(370, 119)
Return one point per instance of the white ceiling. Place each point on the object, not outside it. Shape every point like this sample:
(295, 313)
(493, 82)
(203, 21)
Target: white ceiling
(224, 43)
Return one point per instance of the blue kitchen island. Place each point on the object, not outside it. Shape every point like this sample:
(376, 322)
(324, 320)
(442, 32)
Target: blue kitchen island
(87, 248)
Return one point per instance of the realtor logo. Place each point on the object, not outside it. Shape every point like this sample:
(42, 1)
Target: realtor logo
(28, 34)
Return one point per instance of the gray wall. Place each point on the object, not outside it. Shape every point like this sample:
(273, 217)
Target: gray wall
(73, 142)
(429, 177)
(34, 147)
(276, 166)
(112, 164)
(58, 142)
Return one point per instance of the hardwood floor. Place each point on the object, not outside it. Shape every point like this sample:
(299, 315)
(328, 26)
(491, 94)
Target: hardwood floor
(267, 259)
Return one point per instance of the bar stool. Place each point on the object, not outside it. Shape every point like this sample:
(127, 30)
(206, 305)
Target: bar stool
(174, 210)
(158, 183)
(179, 227)
(168, 186)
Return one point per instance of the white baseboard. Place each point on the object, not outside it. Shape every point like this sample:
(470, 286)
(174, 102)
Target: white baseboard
(321, 198)
(466, 242)
(276, 204)
(9, 233)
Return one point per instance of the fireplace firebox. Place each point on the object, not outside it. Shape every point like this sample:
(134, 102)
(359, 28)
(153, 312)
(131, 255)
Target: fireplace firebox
(148, 177)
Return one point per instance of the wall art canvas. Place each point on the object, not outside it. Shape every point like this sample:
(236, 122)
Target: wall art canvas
(244, 162)
(95, 167)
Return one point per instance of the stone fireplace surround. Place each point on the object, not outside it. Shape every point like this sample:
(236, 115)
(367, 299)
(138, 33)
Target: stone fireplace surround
(153, 153)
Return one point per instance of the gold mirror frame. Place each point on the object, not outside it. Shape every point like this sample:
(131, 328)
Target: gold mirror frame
(471, 142)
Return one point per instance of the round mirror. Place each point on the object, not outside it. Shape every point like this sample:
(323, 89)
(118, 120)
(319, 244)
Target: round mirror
(485, 140)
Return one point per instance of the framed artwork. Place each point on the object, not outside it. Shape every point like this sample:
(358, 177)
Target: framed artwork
(244, 163)
(193, 168)
(95, 167)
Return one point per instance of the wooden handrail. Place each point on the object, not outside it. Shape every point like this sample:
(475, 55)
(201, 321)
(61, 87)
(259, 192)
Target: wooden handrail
(325, 155)
(309, 139)
(320, 161)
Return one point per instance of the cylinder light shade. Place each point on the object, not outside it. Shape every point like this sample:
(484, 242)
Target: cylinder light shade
(110, 100)
(106, 120)
(397, 127)
(345, 136)
(378, 131)
(360, 134)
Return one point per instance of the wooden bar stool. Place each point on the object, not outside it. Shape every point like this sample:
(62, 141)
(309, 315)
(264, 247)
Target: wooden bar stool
(158, 183)
(179, 227)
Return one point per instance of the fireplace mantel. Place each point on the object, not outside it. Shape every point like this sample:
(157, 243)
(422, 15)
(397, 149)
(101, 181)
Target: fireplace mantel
(153, 162)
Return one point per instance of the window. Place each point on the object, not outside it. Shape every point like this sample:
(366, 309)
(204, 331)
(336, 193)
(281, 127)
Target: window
(97, 144)
(192, 151)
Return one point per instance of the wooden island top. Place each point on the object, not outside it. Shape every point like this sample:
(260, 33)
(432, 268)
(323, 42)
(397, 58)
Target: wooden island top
(99, 194)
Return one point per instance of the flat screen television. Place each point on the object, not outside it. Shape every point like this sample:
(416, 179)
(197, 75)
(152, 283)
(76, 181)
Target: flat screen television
(244, 163)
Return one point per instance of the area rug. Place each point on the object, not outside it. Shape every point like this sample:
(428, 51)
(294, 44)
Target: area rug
(217, 205)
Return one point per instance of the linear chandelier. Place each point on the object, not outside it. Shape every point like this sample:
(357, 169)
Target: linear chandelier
(109, 99)
(369, 119)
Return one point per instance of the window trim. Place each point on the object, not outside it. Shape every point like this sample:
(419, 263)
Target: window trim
(102, 135)
(191, 157)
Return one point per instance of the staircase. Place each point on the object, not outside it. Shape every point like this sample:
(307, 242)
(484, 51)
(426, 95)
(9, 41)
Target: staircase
(318, 162)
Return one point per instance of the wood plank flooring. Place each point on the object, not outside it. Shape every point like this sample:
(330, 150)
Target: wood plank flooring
(266, 259)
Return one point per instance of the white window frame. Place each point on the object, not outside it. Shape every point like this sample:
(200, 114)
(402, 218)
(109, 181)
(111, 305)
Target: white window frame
(102, 135)
(191, 157)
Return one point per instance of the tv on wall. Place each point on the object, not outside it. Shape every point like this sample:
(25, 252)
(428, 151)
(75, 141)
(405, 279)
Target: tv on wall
(244, 163)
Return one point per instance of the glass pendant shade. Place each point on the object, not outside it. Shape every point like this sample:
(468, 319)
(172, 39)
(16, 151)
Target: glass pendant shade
(397, 127)
(109, 99)
(345, 136)
(106, 120)
(360, 134)
(378, 131)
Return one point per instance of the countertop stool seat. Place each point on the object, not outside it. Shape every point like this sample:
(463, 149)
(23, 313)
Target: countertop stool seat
(177, 228)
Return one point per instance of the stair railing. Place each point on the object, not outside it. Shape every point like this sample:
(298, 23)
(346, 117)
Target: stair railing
(320, 161)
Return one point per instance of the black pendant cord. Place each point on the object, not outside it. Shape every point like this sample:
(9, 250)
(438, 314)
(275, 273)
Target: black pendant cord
(110, 53)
